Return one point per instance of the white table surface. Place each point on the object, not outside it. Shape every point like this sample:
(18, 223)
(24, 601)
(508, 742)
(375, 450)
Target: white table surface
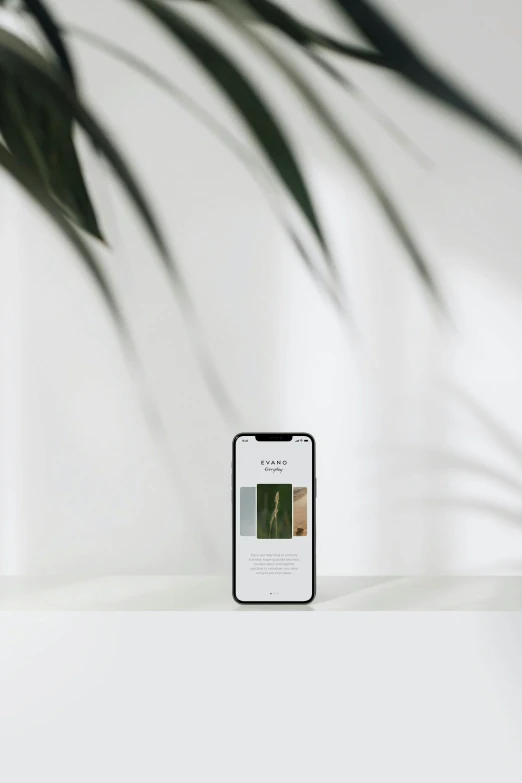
(213, 593)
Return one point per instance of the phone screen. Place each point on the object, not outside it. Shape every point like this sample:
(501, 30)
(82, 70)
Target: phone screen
(274, 518)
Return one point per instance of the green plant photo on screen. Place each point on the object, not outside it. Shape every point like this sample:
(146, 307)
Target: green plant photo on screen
(274, 511)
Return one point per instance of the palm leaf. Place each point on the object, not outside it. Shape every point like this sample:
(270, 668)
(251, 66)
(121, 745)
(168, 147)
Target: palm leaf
(25, 68)
(401, 55)
(256, 11)
(51, 30)
(387, 123)
(249, 103)
(393, 52)
(304, 34)
(345, 141)
(237, 148)
(41, 135)
(33, 187)
(309, 40)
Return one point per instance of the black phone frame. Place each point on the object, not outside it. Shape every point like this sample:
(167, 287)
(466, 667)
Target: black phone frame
(273, 436)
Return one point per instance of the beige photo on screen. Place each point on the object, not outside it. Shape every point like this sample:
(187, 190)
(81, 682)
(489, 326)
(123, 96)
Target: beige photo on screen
(300, 527)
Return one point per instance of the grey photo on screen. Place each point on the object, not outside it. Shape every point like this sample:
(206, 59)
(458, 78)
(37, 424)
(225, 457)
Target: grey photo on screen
(247, 511)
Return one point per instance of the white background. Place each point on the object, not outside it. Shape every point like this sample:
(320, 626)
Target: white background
(412, 480)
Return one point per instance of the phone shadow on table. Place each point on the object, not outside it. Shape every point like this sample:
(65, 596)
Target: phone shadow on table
(329, 589)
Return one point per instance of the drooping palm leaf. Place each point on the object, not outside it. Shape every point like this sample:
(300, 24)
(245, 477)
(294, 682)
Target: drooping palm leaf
(33, 187)
(236, 147)
(339, 133)
(40, 134)
(51, 30)
(304, 34)
(26, 69)
(248, 101)
(372, 109)
(310, 41)
(287, 23)
(405, 59)
(393, 51)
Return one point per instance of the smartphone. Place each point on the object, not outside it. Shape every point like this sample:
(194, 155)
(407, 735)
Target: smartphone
(273, 510)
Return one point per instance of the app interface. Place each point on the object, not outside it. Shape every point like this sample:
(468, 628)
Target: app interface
(274, 535)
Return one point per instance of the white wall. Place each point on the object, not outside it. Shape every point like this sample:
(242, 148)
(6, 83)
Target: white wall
(410, 479)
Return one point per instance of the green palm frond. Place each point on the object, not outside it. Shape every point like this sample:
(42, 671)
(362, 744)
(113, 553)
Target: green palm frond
(42, 105)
